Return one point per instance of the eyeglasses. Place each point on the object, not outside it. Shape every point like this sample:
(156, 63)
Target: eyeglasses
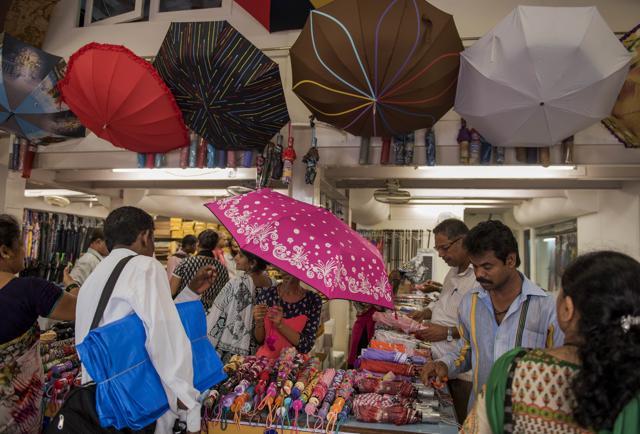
(446, 247)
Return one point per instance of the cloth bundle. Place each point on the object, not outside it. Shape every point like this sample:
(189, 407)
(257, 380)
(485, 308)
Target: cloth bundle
(404, 389)
(374, 407)
(384, 367)
(398, 321)
(392, 356)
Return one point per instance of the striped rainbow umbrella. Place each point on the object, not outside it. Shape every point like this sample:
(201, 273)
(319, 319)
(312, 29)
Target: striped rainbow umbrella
(229, 91)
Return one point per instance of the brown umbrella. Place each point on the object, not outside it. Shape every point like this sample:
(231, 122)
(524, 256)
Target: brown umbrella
(377, 68)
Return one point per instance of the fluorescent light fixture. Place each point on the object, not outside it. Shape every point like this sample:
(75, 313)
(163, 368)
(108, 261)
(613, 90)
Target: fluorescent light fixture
(184, 174)
(549, 240)
(501, 172)
(457, 201)
(52, 192)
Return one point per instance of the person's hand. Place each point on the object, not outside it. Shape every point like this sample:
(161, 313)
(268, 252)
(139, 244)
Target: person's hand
(259, 312)
(203, 279)
(424, 285)
(418, 315)
(275, 315)
(66, 276)
(432, 333)
(436, 369)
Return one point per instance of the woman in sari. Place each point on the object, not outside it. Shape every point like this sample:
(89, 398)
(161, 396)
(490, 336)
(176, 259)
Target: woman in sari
(591, 383)
(230, 320)
(22, 300)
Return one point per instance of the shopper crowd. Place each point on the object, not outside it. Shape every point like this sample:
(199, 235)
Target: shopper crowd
(515, 358)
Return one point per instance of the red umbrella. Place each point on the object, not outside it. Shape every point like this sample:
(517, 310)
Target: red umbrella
(121, 98)
(278, 15)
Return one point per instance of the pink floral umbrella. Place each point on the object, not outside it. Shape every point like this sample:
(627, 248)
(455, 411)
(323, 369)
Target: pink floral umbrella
(307, 242)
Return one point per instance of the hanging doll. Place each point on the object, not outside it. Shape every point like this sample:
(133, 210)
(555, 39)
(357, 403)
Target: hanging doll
(289, 156)
(276, 164)
(311, 158)
(464, 137)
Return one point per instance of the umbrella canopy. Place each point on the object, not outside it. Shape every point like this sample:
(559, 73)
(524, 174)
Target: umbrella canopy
(307, 242)
(122, 99)
(541, 75)
(27, 20)
(379, 68)
(624, 122)
(230, 93)
(30, 105)
(278, 15)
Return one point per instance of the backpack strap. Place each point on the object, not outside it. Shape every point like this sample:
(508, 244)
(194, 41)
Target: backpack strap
(108, 290)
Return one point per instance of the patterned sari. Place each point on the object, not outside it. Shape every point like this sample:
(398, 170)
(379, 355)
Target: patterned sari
(21, 384)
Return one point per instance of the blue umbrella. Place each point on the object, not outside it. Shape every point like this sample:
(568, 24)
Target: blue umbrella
(30, 106)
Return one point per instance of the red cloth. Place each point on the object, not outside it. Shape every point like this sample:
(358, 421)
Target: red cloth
(363, 324)
(296, 323)
(384, 367)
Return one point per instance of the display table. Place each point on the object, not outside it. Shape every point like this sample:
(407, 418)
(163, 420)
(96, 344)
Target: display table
(352, 426)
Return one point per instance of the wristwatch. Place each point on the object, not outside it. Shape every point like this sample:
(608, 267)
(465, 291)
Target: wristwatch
(449, 334)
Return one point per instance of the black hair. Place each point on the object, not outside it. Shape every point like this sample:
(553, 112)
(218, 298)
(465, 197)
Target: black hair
(189, 240)
(208, 239)
(452, 228)
(96, 235)
(492, 235)
(123, 225)
(261, 264)
(9, 231)
(604, 287)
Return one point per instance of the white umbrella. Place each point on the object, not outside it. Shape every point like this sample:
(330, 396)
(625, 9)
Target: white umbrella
(541, 75)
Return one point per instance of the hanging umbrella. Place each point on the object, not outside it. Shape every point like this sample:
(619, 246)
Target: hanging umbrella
(541, 75)
(27, 20)
(30, 106)
(278, 15)
(624, 122)
(307, 242)
(379, 68)
(229, 92)
(122, 99)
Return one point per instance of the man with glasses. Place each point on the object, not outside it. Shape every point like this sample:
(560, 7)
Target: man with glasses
(504, 311)
(442, 331)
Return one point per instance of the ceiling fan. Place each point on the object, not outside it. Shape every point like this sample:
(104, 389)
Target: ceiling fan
(392, 194)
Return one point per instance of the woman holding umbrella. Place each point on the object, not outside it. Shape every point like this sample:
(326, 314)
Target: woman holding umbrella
(286, 315)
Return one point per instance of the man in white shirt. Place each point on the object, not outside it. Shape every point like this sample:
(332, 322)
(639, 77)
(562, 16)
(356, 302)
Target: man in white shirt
(442, 331)
(89, 261)
(143, 288)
